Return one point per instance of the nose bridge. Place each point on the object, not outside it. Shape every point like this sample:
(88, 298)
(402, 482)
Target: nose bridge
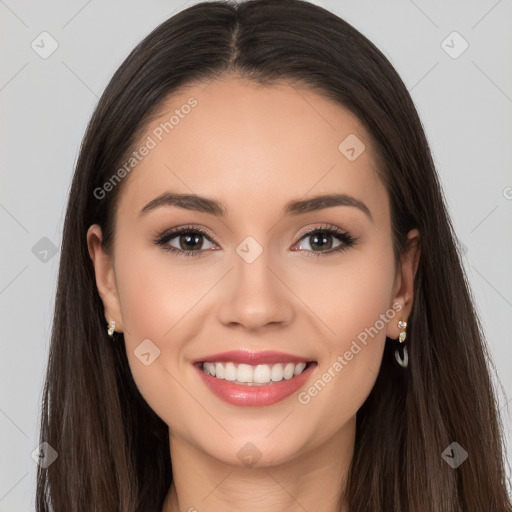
(255, 296)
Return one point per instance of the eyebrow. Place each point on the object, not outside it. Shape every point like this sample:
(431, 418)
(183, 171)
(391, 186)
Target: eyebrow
(217, 208)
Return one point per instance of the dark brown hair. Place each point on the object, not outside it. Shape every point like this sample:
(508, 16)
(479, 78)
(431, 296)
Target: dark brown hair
(113, 449)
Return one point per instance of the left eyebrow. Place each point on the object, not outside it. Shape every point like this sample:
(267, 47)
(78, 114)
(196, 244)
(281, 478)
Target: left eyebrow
(217, 208)
(320, 202)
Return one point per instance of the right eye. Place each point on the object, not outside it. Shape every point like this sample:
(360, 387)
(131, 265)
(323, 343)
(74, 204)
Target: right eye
(189, 241)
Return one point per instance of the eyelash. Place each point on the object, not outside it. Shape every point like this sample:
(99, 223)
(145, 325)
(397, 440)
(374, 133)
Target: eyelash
(345, 237)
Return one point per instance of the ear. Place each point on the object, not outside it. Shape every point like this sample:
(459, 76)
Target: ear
(105, 277)
(404, 282)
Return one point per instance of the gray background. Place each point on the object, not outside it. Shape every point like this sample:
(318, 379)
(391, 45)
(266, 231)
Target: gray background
(465, 104)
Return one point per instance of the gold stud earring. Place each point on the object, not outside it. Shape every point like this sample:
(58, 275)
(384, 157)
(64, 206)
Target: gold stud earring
(111, 328)
(402, 325)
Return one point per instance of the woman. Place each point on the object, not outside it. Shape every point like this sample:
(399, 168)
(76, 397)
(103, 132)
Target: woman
(260, 302)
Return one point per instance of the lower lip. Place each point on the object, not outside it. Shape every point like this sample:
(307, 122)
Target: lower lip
(256, 395)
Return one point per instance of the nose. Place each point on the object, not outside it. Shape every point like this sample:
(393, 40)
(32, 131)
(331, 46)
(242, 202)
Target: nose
(255, 296)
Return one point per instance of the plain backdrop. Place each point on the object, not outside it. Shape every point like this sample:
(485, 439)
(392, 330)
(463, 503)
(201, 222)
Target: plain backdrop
(464, 99)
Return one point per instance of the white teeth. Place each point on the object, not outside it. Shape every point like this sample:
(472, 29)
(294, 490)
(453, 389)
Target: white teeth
(209, 368)
(276, 374)
(244, 373)
(219, 371)
(230, 371)
(261, 374)
(248, 374)
(288, 371)
(299, 368)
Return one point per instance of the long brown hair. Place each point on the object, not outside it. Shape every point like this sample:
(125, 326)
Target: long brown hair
(113, 449)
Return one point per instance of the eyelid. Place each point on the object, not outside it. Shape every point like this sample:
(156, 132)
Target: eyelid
(163, 239)
(347, 240)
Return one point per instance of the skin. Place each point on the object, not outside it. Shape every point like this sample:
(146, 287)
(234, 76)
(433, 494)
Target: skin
(254, 148)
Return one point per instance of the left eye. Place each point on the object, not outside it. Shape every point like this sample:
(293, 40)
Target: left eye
(320, 239)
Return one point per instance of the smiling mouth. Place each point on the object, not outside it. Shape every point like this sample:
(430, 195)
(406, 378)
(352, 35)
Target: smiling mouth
(254, 375)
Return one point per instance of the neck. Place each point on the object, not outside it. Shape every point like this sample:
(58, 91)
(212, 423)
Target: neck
(312, 479)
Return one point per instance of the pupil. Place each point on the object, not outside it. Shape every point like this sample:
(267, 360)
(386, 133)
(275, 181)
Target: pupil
(320, 240)
(186, 239)
(324, 241)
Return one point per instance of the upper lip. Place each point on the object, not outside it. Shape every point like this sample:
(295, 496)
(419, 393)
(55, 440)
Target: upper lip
(252, 358)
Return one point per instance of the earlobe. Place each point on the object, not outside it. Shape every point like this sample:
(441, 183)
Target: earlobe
(105, 276)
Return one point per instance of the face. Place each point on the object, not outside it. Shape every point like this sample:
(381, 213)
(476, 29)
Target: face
(258, 277)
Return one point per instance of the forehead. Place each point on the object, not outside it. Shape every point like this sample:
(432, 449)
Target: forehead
(252, 147)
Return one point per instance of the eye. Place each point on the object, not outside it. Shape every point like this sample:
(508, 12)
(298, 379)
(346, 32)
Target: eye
(188, 241)
(320, 241)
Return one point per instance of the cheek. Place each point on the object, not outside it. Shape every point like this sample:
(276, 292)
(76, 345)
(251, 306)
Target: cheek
(157, 300)
(354, 303)
(347, 295)
(158, 290)
(162, 299)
